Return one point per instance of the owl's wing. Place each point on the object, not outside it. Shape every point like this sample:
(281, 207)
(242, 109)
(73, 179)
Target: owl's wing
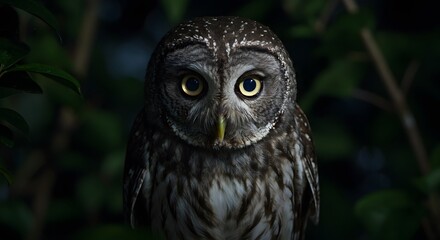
(135, 210)
(309, 162)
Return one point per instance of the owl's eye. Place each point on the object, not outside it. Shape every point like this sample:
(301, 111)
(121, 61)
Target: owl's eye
(192, 85)
(249, 86)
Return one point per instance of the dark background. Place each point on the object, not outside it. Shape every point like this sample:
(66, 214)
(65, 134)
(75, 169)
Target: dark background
(67, 175)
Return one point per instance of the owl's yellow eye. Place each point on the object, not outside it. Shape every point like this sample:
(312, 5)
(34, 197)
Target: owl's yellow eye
(192, 85)
(249, 86)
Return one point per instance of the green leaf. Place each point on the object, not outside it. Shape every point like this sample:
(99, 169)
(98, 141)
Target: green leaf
(64, 209)
(10, 28)
(112, 163)
(11, 52)
(434, 157)
(256, 9)
(430, 182)
(100, 130)
(336, 211)
(389, 214)
(15, 218)
(338, 80)
(174, 9)
(6, 136)
(342, 35)
(302, 31)
(6, 174)
(17, 82)
(73, 161)
(37, 9)
(51, 72)
(332, 140)
(15, 120)
(90, 193)
(313, 8)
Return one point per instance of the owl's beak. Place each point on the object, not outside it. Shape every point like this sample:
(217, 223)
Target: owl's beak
(221, 126)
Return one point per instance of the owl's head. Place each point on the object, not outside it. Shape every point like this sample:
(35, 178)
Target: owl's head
(220, 82)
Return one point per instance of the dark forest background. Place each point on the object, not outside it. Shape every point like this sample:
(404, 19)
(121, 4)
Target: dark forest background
(368, 79)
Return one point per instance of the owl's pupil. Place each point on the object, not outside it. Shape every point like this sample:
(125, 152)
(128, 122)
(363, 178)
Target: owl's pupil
(192, 84)
(249, 84)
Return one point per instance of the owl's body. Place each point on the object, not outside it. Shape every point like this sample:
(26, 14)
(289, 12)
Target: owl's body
(221, 150)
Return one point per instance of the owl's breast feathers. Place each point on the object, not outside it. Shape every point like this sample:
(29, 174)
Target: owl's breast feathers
(262, 191)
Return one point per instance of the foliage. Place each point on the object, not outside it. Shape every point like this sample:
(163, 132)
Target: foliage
(62, 154)
(15, 77)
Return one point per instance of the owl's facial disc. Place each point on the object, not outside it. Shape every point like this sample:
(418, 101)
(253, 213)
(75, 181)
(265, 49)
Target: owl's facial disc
(221, 103)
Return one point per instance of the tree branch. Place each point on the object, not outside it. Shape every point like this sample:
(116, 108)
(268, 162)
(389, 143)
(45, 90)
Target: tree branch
(325, 15)
(406, 116)
(374, 99)
(86, 38)
(396, 94)
(408, 76)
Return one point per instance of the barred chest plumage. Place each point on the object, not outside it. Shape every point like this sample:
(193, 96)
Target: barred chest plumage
(241, 194)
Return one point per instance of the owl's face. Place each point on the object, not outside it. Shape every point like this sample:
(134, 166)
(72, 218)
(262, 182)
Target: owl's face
(222, 82)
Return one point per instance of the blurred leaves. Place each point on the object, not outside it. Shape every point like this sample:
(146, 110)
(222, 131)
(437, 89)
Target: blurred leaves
(338, 80)
(15, 78)
(302, 31)
(306, 11)
(37, 9)
(6, 138)
(256, 9)
(435, 157)
(17, 216)
(174, 9)
(10, 119)
(3, 171)
(15, 120)
(389, 214)
(324, 135)
(91, 193)
(11, 52)
(51, 72)
(17, 82)
(101, 130)
(430, 183)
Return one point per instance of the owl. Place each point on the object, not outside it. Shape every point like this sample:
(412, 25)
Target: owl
(221, 149)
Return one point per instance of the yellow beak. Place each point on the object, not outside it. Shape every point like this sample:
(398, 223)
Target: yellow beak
(221, 126)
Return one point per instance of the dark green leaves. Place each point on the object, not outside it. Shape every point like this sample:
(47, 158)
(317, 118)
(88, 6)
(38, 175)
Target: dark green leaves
(430, 182)
(390, 215)
(332, 140)
(15, 77)
(101, 130)
(174, 9)
(11, 52)
(338, 80)
(6, 174)
(16, 217)
(6, 136)
(51, 72)
(11, 120)
(36, 9)
(15, 120)
(17, 82)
